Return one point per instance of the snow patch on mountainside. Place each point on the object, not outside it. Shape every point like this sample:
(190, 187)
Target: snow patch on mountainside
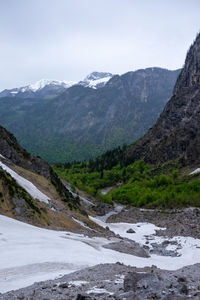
(27, 185)
(195, 171)
(97, 82)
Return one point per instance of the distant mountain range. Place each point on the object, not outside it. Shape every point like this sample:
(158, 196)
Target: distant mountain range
(46, 88)
(83, 120)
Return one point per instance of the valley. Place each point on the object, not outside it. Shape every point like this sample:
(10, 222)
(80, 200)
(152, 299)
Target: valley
(117, 224)
(118, 239)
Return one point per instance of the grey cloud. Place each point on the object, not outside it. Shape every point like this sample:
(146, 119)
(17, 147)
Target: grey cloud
(66, 39)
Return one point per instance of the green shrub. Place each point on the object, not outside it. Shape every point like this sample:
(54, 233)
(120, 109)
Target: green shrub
(143, 185)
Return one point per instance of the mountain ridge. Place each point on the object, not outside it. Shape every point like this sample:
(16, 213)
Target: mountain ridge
(83, 122)
(49, 88)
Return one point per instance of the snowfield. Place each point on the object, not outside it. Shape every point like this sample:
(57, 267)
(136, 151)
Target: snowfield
(27, 185)
(188, 248)
(195, 171)
(30, 254)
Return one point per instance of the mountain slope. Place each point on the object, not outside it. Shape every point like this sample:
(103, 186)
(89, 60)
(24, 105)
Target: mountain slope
(176, 135)
(11, 149)
(30, 190)
(84, 122)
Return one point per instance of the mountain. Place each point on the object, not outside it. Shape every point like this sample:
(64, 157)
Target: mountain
(48, 89)
(30, 191)
(96, 80)
(176, 134)
(83, 122)
(162, 169)
(43, 88)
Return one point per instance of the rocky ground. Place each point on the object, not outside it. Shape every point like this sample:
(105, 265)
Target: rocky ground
(116, 281)
(182, 222)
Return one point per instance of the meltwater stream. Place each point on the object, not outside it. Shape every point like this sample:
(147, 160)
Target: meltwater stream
(66, 184)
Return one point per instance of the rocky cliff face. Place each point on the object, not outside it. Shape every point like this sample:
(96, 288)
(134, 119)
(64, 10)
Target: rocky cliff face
(190, 75)
(177, 132)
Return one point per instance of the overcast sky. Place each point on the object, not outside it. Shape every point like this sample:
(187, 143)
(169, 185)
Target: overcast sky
(67, 39)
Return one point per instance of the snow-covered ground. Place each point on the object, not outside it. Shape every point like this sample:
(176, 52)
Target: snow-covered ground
(188, 248)
(195, 171)
(27, 185)
(30, 254)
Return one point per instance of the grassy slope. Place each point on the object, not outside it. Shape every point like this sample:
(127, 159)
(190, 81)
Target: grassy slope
(141, 185)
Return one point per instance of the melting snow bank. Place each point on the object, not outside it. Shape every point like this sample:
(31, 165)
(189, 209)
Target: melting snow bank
(68, 187)
(195, 171)
(186, 248)
(27, 185)
(117, 210)
(30, 254)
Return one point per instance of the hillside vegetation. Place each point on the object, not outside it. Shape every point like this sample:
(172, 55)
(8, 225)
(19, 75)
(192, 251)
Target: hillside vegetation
(138, 184)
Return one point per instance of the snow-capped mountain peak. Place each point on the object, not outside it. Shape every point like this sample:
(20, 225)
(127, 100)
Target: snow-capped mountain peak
(48, 88)
(96, 79)
(98, 75)
(40, 84)
(44, 88)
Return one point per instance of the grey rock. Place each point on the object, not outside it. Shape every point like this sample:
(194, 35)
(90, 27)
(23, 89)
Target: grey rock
(130, 231)
(129, 247)
(83, 297)
(21, 297)
(127, 296)
(131, 280)
(160, 249)
(63, 285)
(184, 289)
